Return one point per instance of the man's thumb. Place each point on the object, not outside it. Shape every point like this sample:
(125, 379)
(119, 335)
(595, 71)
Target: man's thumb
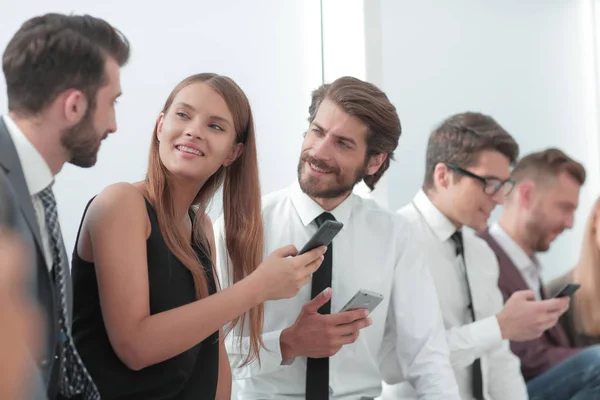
(321, 299)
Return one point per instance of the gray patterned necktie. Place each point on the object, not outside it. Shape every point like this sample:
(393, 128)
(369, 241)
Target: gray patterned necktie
(75, 379)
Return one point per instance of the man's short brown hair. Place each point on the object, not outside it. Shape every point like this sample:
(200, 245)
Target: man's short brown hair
(461, 138)
(55, 52)
(372, 107)
(544, 165)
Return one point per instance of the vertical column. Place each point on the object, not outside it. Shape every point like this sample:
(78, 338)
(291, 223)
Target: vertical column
(352, 47)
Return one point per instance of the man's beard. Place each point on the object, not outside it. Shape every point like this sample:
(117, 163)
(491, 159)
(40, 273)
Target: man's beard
(538, 233)
(82, 142)
(310, 185)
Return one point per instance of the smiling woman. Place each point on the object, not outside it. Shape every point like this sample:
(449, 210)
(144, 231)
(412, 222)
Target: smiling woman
(147, 316)
(199, 111)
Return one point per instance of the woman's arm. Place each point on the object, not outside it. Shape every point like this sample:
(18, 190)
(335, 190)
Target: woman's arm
(118, 229)
(224, 385)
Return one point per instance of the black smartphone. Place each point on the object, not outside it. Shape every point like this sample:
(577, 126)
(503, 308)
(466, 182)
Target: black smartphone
(323, 236)
(568, 290)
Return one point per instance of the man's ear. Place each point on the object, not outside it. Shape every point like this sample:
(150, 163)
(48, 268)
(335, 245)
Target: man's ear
(75, 106)
(442, 176)
(375, 162)
(525, 191)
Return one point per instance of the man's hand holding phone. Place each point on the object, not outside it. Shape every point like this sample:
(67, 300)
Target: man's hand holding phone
(315, 335)
(523, 318)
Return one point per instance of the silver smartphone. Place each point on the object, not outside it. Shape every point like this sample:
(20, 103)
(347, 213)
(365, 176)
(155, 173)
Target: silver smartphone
(363, 299)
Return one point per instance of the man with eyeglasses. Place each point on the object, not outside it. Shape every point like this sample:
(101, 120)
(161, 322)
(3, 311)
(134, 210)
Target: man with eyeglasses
(467, 174)
(540, 208)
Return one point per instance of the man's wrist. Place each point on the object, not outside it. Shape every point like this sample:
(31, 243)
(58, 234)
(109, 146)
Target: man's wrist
(286, 344)
(502, 325)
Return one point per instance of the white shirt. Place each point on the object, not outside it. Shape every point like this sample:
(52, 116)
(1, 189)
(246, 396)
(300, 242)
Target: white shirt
(529, 270)
(37, 176)
(370, 252)
(468, 340)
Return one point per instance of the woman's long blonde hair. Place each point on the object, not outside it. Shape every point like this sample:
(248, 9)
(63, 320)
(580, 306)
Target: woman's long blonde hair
(587, 274)
(241, 203)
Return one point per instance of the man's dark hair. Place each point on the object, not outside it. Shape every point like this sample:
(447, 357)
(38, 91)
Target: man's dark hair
(461, 138)
(55, 52)
(543, 166)
(372, 107)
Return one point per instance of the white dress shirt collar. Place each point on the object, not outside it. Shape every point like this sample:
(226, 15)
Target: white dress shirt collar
(35, 169)
(308, 209)
(527, 266)
(437, 221)
(516, 254)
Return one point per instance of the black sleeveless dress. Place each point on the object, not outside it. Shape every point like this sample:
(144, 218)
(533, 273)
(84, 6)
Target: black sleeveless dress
(190, 375)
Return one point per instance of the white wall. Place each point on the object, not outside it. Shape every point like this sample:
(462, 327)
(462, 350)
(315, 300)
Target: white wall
(270, 47)
(346, 53)
(529, 64)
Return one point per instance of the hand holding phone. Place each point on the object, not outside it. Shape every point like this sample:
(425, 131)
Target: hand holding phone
(318, 335)
(524, 318)
(568, 290)
(323, 237)
(363, 300)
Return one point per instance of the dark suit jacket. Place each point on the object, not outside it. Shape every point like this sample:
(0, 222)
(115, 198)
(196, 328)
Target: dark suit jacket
(23, 219)
(538, 355)
(8, 208)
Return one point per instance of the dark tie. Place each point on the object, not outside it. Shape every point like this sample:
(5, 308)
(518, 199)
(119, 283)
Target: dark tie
(317, 369)
(477, 372)
(75, 379)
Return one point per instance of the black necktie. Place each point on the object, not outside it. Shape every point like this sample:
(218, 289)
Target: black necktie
(317, 369)
(477, 373)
